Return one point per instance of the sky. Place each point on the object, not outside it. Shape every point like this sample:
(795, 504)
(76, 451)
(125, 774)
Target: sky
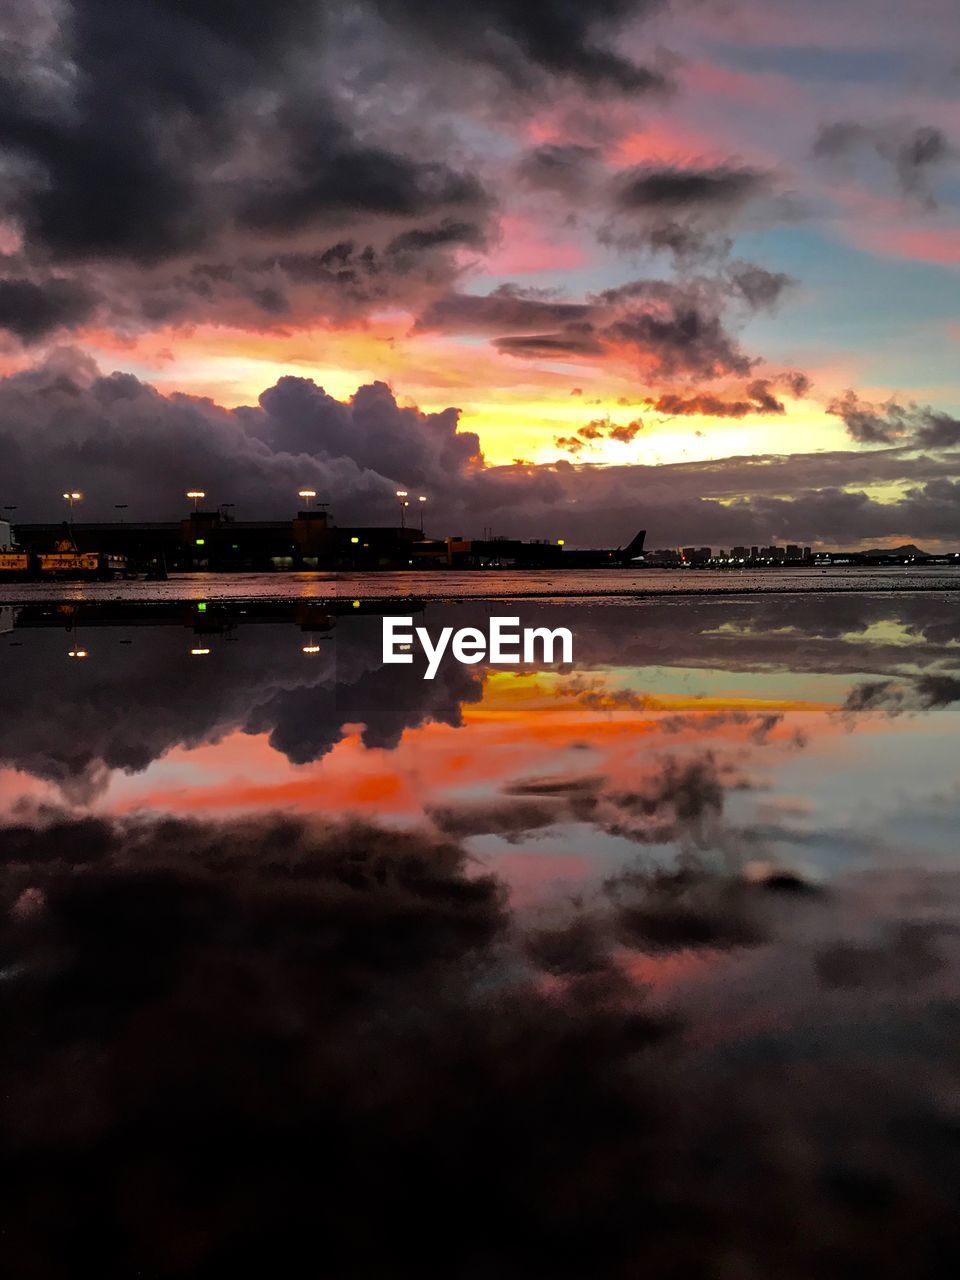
(565, 269)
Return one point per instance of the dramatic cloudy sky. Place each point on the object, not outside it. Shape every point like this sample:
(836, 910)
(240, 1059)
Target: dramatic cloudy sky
(565, 268)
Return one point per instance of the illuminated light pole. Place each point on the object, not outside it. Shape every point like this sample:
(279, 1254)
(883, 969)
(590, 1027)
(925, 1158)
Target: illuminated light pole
(422, 500)
(196, 495)
(308, 496)
(402, 495)
(70, 499)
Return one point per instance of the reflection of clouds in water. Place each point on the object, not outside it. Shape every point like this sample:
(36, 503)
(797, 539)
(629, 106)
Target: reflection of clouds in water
(229, 1044)
(734, 691)
(900, 697)
(127, 706)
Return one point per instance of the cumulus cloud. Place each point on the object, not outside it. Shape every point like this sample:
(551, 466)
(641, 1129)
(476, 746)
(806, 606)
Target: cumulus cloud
(116, 438)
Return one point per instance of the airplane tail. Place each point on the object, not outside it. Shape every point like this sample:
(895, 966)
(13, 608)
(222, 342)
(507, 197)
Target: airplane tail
(635, 548)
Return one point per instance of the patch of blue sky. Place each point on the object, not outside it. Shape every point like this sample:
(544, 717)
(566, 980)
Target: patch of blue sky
(816, 62)
(893, 315)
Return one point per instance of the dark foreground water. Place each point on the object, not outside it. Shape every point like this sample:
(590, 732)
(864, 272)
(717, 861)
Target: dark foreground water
(645, 966)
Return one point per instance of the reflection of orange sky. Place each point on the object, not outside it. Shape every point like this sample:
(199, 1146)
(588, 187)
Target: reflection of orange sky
(522, 728)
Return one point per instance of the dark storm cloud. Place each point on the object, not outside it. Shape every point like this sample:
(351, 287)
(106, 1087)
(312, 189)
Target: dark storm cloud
(113, 433)
(32, 310)
(333, 175)
(138, 138)
(914, 152)
(673, 328)
(916, 425)
(145, 145)
(160, 95)
(341, 281)
(446, 233)
(682, 339)
(678, 190)
(686, 325)
(685, 211)
(570, 40)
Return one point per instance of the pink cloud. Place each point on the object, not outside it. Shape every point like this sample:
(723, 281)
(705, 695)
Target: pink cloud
(926, 244)
(525, 248)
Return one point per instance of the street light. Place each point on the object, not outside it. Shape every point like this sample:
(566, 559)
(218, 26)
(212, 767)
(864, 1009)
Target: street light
(421, 500)
(308, 495)
(70, 499)
(196, 495)
(402, 495)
